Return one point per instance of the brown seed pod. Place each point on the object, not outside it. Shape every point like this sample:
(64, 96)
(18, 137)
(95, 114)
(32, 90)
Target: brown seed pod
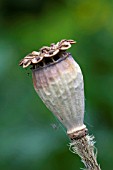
(59, 83)
(61, 88)
(58, 80)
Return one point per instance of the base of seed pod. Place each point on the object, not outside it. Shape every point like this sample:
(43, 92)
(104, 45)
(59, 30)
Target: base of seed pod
(78, 134)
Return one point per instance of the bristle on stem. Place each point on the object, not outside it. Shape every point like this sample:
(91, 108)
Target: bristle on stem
(84, 147)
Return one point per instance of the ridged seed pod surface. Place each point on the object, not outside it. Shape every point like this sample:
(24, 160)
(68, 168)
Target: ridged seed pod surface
(61, 88)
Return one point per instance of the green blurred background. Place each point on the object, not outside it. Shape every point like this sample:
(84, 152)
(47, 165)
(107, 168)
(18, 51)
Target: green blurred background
(28, 140)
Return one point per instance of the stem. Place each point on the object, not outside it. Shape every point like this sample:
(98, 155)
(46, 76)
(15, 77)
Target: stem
(84, 147)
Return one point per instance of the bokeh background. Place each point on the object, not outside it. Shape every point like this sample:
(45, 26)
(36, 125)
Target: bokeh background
(30, 136)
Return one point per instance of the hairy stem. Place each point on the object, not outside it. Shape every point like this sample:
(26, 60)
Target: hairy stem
(84, 147)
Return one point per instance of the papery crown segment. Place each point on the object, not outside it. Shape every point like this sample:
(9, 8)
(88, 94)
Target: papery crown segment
(36, 57)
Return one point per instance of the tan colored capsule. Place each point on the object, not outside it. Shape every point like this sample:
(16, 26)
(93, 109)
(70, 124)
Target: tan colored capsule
(58, 81)
(61, 88)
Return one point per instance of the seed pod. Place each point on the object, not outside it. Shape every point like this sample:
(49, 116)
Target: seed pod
(58, 81)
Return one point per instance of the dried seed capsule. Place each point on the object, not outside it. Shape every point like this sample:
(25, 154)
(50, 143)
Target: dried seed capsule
(61, 88)
(59, 83)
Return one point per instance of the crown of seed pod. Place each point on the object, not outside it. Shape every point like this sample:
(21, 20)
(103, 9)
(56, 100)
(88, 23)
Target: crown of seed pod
(58, 80)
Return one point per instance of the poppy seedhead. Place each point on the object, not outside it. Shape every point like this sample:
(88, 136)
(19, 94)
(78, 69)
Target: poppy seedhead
(58, 80)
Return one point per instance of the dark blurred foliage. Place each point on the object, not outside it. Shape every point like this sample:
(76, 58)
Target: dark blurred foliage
(28, 140)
